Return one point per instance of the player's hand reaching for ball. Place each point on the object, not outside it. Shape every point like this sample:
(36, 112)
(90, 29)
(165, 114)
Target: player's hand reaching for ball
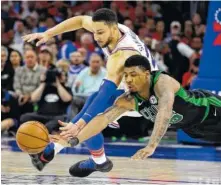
(143, 153)
(58, 139)
(69, 130)
(42, 37)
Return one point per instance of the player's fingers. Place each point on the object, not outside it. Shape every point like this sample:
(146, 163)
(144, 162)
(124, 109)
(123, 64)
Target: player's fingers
(54, 138)
(134, 157)
(63, 133)
(32, 37)
(143, 155)
(26, 37)
(67, 137)
(137, 156)
(40, 42)
(63, 124)
(65, 128)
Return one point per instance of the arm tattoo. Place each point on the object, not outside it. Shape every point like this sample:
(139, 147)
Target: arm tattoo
(165, 106)
(114, 112)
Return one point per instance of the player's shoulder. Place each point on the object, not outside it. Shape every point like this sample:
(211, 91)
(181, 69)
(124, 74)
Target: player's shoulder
(122, 27)
(122, 54)
(165, 82)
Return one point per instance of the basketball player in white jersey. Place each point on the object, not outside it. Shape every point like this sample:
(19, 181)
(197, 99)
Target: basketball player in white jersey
(118, 43)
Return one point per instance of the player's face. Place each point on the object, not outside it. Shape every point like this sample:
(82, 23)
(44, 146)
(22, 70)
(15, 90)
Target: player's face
(136, 78)
(102, 33)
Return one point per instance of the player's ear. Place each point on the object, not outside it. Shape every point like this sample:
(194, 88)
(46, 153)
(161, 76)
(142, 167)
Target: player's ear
(115, 27)
(147, 72)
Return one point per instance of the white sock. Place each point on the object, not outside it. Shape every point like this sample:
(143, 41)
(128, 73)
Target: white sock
(57, 148)
(99, 160)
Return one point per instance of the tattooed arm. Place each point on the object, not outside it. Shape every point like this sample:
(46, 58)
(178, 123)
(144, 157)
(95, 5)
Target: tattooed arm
(100, 122)
(165, 89)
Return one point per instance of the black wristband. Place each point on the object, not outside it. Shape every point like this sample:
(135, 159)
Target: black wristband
(73, 141)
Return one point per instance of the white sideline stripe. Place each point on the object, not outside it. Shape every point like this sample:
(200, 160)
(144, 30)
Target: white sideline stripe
(164, 145)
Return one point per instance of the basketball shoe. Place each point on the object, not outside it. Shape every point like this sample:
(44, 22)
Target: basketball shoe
(86, 167)
(41, 159)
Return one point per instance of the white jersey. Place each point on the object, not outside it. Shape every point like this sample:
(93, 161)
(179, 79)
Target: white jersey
(130, 41)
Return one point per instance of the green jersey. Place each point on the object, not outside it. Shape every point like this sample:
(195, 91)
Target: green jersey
(189, 107)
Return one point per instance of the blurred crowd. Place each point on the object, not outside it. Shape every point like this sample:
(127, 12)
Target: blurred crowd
(53, 81)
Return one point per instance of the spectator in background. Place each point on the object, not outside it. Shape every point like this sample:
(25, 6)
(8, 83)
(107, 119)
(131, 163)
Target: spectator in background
(87, 82)
(139, 18)
(150, 25)
(83, 52)
(181, 53)
(128, 22)
(158, 56)
(148, 41)
(5, 34)
(67, 46)
(46, 58)
(89, 79)
(154, 9)
(142, 32)
(31, 23)
(114, 7)
(50, 22)
(77, 40)
(28, 8)
(7, 72)
(53, 99)
(53, 49)
(159, 34)
(9, 111)
(197, 44)
(87, 42)
(199, 28)
(63, 64)
(28, 46)
(2, 27)
(188, 77)
(19, 31)
(27, 79)
(175, 30)
(76, 67)
(15, 59)
(188, 32)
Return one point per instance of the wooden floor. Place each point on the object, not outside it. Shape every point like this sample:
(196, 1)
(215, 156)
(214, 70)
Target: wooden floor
(16, 168)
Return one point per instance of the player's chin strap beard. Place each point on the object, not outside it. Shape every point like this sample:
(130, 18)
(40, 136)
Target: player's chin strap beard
(73, 141)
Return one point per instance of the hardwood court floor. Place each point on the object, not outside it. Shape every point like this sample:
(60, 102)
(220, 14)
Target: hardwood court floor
(16, 168)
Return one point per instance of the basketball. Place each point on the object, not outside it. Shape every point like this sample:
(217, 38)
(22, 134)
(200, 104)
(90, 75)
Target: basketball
(32, 137)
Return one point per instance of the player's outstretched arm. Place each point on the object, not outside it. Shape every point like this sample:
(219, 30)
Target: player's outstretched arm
(165, 91)
(100, 122)
(71, 24)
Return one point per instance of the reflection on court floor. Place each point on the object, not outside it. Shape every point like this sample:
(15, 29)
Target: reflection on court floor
(17, 169)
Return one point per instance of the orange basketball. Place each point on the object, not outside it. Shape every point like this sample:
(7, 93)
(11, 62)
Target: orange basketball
(32, 137)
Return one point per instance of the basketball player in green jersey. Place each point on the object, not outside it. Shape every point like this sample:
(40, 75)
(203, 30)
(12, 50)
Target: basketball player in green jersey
(162, 100)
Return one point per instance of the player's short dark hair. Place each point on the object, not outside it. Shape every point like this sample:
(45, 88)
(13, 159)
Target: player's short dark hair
(138, 60)
(105, 15)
